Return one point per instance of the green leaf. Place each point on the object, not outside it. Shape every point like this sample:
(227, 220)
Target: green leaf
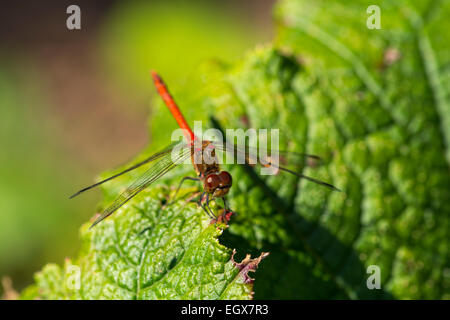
(375, 105)
(177, 256)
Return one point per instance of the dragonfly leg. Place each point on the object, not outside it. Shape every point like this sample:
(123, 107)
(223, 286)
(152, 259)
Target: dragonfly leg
(194, 195)
(226, 211)
(203, 207)
(199, 202)
(179, 187)
(208, 213)
(225, 206)
(207, 206)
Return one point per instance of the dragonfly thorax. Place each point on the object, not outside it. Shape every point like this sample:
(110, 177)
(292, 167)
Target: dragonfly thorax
(204, 159)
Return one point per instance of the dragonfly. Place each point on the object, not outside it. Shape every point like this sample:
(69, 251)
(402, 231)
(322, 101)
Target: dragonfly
(215, 183)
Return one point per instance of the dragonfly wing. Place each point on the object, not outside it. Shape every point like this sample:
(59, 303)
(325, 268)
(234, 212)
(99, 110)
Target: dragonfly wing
(252, 157)
(300, 175)
(153, 157)
(161, 167)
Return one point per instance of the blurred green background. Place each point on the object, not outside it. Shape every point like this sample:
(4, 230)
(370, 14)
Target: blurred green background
(75, 103)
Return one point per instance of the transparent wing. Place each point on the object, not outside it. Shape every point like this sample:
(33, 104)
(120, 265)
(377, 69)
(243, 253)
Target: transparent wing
(251, 157)
(165, 163)
(153, 157)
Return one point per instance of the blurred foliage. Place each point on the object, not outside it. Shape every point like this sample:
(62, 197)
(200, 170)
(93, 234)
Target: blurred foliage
(34, 212)
(172, 39)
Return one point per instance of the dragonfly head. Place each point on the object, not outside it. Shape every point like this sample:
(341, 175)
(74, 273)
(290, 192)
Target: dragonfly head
(218, 184)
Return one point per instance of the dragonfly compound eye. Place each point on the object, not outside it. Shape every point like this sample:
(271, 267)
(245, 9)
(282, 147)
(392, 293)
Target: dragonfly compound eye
(225, 179)
(212, 182)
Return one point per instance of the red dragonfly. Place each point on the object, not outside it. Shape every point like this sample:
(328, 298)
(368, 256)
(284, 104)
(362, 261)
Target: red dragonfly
(216, 183)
